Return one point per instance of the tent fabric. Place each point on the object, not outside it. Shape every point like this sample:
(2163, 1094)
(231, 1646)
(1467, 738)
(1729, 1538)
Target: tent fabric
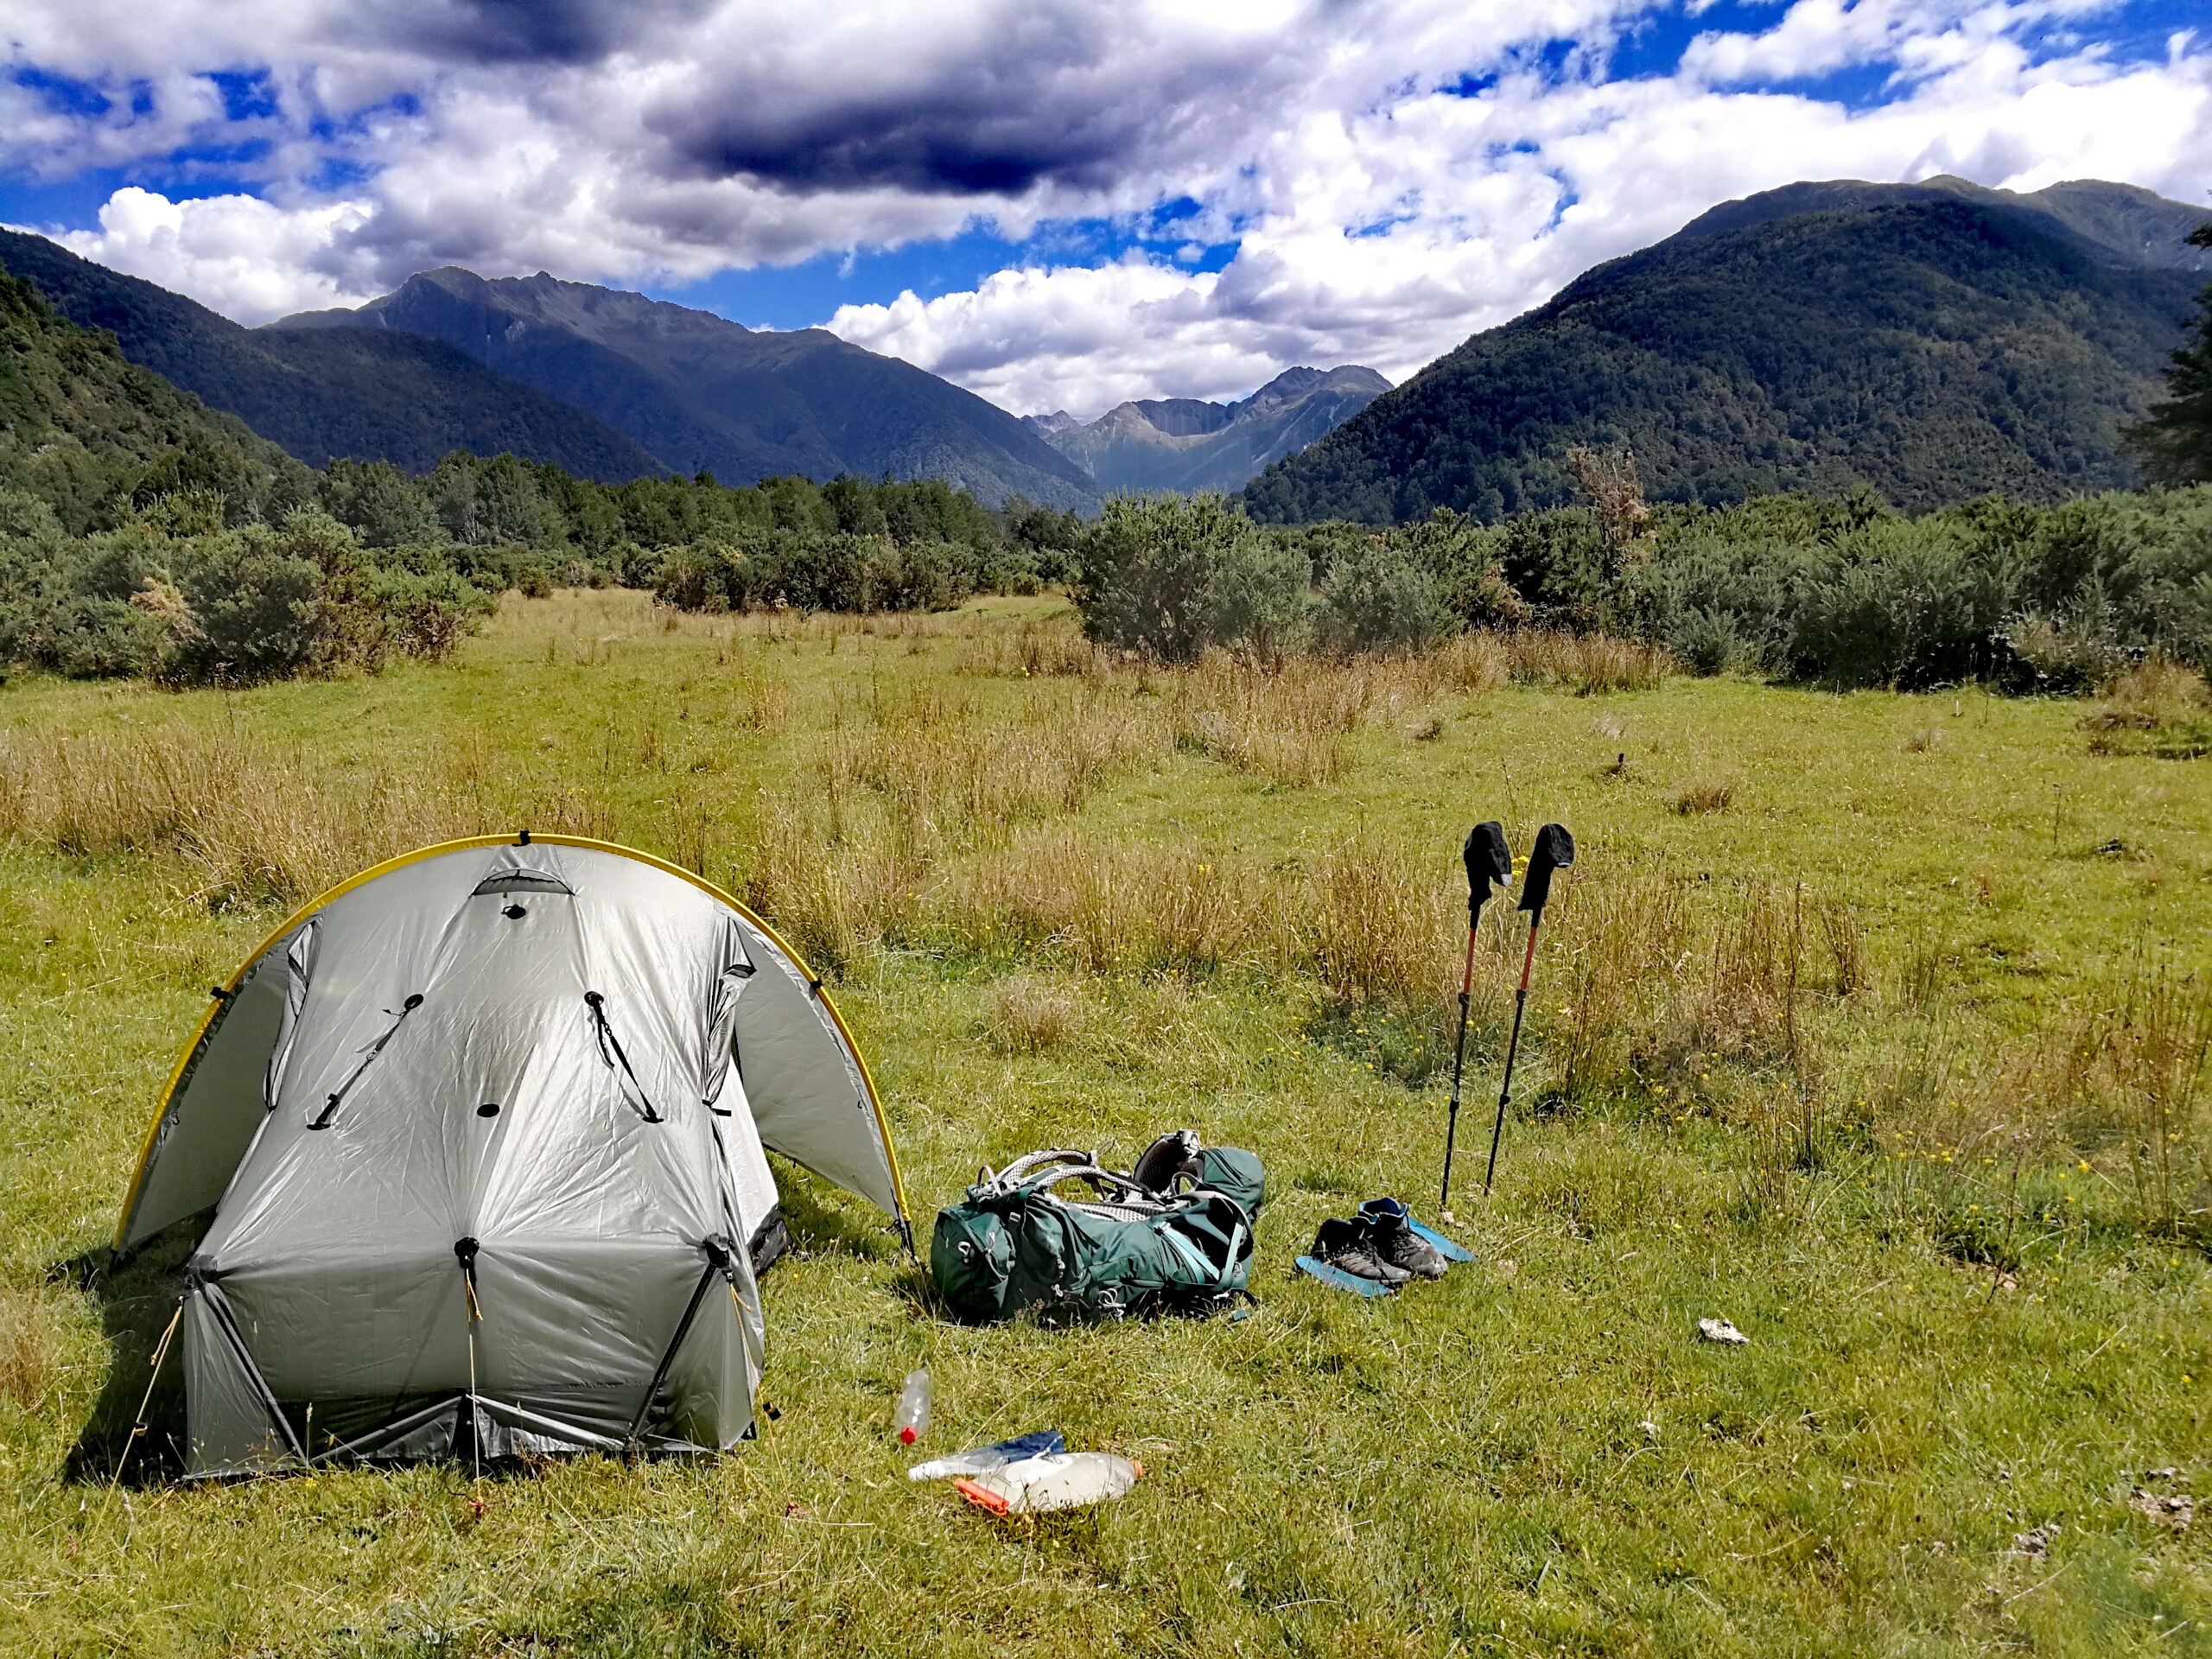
(484, 1134)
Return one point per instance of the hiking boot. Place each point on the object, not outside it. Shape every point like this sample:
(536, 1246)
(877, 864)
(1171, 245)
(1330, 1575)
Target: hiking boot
(1168, 1159)
(1344, 1244)
(1389, 1235)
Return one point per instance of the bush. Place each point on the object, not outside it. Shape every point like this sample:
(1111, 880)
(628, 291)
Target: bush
(1463, 558)
(1170, 575)
(2066, 655)
(813, 571)
(1261, 597)
(1904, 603)
(1709, 641)
(252, 610)
(1379, 599)
(235, 607)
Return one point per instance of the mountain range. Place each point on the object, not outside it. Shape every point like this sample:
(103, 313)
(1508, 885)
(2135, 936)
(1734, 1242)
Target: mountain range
(702, 393)
(1181, 444)
(1937, 341)
(398, 397)
(1934, 340)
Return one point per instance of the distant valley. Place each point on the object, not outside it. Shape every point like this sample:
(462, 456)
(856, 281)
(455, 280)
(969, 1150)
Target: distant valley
(1181, 444)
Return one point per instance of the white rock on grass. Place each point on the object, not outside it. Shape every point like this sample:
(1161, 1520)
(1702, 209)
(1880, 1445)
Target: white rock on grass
(1721, 1331)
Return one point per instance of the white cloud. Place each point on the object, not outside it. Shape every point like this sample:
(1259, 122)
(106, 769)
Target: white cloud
(1382, 216)
(1489, 205)
(239, 255)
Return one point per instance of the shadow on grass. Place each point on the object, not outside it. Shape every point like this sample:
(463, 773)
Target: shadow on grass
(820, 1223)
(137, 1298)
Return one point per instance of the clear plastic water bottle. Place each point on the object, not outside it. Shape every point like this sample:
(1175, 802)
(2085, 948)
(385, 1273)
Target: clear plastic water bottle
(911, 1418)
(1060, 1480)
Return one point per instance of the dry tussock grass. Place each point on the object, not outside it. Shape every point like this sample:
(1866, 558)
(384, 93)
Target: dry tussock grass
(2122, 1077)
(1046, 647)
(828, 890)
(941, 765)
(1704, 795)
(1376, 925)
(2154, 694)
(253, 823)
(1027, 1014)
(2130, 1074)
(764, 702)
(1108, 905)
(1587, 662)
(1657, 969)
(1287, 721)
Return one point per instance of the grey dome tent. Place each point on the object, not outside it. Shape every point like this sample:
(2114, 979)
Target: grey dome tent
(482, 1135)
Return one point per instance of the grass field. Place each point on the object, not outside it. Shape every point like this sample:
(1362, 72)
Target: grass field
(1872, 1023)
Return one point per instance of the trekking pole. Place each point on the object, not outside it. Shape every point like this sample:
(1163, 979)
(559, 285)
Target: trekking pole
(1554, 849)
(1488, 860)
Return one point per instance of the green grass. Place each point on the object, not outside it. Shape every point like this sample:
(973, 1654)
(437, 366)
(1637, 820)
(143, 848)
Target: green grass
(1535, 1456)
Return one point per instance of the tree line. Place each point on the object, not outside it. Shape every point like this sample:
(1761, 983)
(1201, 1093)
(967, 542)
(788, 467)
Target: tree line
(1843, 592)
(349, 566)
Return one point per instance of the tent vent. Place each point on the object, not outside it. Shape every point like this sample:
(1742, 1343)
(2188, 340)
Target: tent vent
(524, 868)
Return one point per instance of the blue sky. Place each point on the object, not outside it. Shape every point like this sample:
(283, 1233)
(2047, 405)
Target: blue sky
(1055, 204)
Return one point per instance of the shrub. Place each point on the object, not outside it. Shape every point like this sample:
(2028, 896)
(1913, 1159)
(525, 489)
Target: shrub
(233, 607)
(2068, 655)
(1910, 604)
(1463, 558)
(1169, 575)
(1379, 599)
(1709, 641)
(253, 610)
(1147, 576)
(1261, 597)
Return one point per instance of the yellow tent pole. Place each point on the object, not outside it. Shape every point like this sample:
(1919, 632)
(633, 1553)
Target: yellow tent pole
(205, 1029)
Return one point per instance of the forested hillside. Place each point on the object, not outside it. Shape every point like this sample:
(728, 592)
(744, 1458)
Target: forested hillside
(143, 533)
(90, 433)
(1936, 350)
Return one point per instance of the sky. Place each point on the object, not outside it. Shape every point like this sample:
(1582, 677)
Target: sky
(1056, 205)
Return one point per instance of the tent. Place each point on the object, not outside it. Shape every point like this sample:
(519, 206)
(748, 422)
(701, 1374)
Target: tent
(477, 1140)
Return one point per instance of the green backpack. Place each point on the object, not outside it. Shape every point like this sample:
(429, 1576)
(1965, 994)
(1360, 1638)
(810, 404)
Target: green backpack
(1175, 1235)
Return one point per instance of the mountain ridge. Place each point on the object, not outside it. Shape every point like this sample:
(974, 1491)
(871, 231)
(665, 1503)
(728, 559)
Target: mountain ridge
(1936, 346)
(706, 394)
(397, 398)
(2115, 224)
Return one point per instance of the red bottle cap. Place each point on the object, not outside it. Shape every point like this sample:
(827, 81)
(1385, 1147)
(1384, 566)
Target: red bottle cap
(907, 1436)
